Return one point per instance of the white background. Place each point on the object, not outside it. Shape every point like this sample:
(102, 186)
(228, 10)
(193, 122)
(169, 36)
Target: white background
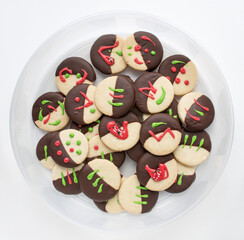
(218, 25)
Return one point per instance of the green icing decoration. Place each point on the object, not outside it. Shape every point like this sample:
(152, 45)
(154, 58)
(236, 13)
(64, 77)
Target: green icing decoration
(45, 150)
(170, 112)
(175, 116)
(78, 75)
(153, 53)
(130, 47)
(91, 175)
(98, 121)
(130, 54)
(78, 142)
(194, 138)
(200, 144)
(116, 104)
(78, 152)
(143, 196)
(55, 123)
(140, 187)
(200, 113)
(75, 177)
(111, 157)
(62, 106)
(160, 100)
(109, 51)
(155, 124)
(40, 117)
(117, 90)
(179, 182)
(79, 130)
(68, 143)
(175, 62)
(143, 203)
(185, 140)
(96, 182)
(66, 75)
(118, 202)
(88, 138)
(102, 155)
(45, 101)
(63, 180)
(100, 189)
(90, 129)
(119, 53)
(92, 110)
(71, 135)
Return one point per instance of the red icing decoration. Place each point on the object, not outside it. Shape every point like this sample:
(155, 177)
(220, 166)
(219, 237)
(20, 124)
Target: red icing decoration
(152, 88)
(146, 50)
(168, 77)
(175, 180)
(87, 104)
(148, 39)
(69, 179)
(173, 69)
(137, 61)
(158, 174)
(79, 125)
(162, 135)
(77, 99)
(66, 160)
(71, 149)
(137, 48)
(116, 131)
(186, 82)
(148, 61)
(47, 119)
(182, 70)
(205, 108)
(83, 78)
(119, 96)
(107, 59)
(96, 147)
(51, 107)
(59, 152)
(61, 73)
(177, 80)
(194, 118)
(57, 143)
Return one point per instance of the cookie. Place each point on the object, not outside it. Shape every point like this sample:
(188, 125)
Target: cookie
(121, 133)
(154, 93)
(135, 198)
(142, 51)
(100, 180)
(106, 54)
(182, 73)
(48, 112)
(160, 134)
(69, 148)
(194, 148)
(80, 106)
(156, 173)
(136, 152)
(115, 96)
(66, 180)
(185, 177)
(196, 111)
(98, 150)
(43, 150)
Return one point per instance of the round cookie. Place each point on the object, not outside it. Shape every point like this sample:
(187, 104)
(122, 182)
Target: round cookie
(136, 152)
(185, 177)
(106, 54)
(160, 134)
(66, 180)
(120, 134)
(100, 180)
(69, 148)
(80, 106)
(142, 51)
(98, 150)
(115, 96)
(154, 93)
(43, 150)
(48, 112)
(194, 148)
(135, 198)
(156, 173)
(182, 73)
(196, 111)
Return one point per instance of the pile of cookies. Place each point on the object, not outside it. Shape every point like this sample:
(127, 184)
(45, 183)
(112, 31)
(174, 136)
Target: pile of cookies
(156, 120)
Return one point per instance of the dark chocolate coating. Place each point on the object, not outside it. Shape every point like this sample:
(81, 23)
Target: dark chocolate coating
(83, 128)
(136, 152)
(76, 64)
(141, 82)
(54, 97)
(44, 141)
(92, 192)
(97, 61)
(153, 162)
(145, 44)
(173, 106)
(197, 126)
(101, 205)
(129, 117)
(151, 200)
(166, 65)
(159, 117)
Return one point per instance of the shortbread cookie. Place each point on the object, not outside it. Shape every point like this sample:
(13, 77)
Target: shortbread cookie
(194, 148)
(182, 73)
(115, 96)
(97, 149)
(48, 112)
(143, 51)
(69, 148)
(43, 150)
(106, 54)
(196, 111)
(136, 152)
(160, 134)
(156, 173)
(185, 177)
(120, 134)
(74, 71)
(80, 106)
(66, 180)
(135, 198)
(100, 180)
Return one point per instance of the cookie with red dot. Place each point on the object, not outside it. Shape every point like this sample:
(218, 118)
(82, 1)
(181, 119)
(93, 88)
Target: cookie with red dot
(69, 148)
(182, 73)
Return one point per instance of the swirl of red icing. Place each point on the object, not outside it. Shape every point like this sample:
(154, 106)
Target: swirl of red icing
(61, 73)
(116, 131)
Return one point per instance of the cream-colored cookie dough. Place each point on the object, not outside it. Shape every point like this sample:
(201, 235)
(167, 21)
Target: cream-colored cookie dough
(145, 116)
(48, 163)
(185, 169)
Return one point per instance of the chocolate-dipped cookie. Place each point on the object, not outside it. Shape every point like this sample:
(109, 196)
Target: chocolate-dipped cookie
(97, 149)
(136, 152)
(115, 96)
(69, 148)
(66, 180)
(80, 106)
(194, 148)
(73, 71)
(100, 180)
(196, 111)
(160, 134)
(135, 198)
(143, 51)
(121, 133)
(181, 71)
(43, 150)
(48, 112)
(156, 173)
(106, 54)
